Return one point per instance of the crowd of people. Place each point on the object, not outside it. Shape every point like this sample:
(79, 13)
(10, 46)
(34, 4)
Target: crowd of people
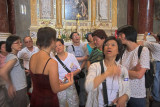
(105, 72)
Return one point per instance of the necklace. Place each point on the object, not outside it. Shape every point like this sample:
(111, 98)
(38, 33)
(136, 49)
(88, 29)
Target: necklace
(46, 52)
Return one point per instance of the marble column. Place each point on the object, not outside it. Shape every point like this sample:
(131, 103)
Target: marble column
(130, 12)
(11, 16)
(4, 24)
(93, 13)
(59, 14)
(145, 19)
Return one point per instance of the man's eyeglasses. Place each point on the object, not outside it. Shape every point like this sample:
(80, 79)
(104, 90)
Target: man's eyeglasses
(28, 42)
(76, 36)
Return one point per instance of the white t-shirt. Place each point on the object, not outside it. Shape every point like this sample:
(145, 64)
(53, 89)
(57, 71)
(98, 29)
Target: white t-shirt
(130, 60)
(25, 54)
(112, 90)
(70, 62)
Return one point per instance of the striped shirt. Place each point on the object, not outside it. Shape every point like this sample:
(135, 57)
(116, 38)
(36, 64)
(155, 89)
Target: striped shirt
(95, 56)
(154, 49)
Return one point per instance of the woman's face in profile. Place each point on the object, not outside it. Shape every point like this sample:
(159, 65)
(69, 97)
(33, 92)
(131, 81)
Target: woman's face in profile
(111, 49)
(17, 45)
(59, 47)
(90, 38)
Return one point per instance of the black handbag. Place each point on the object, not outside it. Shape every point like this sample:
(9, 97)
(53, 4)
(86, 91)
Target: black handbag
(80, 75)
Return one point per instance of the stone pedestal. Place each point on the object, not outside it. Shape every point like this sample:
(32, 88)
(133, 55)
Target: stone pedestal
(3, 36)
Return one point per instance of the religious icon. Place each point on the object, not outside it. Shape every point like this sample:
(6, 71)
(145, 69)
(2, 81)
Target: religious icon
(73, 7)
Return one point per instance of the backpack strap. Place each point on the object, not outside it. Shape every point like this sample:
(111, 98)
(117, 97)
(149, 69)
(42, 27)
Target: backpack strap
(63, 65)
(139, 51)
(105, 95)
(73, 48)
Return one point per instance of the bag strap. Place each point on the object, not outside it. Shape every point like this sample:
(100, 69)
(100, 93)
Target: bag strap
(105, 95)
(63, 65)
(73, 48)
(139, 51)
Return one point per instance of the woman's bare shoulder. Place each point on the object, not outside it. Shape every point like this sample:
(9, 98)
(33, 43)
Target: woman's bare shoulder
(53, 62)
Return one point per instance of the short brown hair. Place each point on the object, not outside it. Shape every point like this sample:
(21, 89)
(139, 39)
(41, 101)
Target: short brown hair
(100, 34)
(45, 36)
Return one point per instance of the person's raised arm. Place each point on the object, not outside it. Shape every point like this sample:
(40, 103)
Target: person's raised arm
(111, 71)
(93, 80)
(5, 74)
(5, 70)
(54, 77)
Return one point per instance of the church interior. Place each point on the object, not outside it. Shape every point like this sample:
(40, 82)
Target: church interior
(24, 17)
(78, 18)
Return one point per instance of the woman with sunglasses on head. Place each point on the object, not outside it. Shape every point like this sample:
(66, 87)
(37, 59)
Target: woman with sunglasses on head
(14, 74)
(109, 82)
(44, 72)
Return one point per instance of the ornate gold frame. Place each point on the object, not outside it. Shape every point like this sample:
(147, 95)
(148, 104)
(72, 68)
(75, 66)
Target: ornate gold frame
(70, 25)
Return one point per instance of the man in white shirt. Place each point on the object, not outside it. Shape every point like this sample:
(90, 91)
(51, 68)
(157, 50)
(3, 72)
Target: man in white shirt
(136, 66)
(78, 50)
(155, 52)
(25, 54)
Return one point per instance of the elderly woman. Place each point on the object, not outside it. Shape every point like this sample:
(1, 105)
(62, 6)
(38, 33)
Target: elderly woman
(69, 60)
(96, 55)
(14, 74)
(115, 78)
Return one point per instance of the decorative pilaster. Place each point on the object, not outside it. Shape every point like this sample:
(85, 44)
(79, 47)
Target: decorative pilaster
(59, 14)
(93, 13)
(114, 13)
(33, 4)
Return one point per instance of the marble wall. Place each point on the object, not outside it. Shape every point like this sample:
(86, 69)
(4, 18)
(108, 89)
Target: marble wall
(22, 17)
(121, 12)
